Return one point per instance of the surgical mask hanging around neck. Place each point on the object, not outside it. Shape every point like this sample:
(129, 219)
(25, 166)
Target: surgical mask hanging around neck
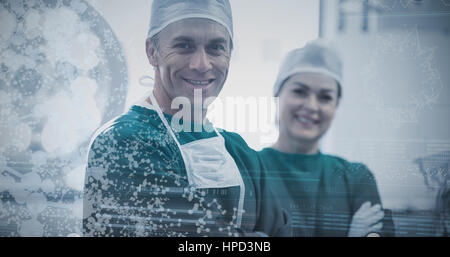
(208, 163)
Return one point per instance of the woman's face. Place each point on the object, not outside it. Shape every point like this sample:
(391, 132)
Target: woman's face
(307, 104)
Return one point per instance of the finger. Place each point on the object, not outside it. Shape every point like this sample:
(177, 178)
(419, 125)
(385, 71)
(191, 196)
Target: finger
(372, 210)
(372, 234)
(261, 234)
(375, 218)
(364, 207)
(375, 208)
(376, 227)
(254, 234)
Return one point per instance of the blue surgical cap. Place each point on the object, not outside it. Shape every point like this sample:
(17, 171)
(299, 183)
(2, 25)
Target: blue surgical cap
(317, 56)
(165, 12)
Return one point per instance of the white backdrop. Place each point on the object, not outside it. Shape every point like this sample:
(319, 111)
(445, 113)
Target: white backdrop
(265, 30)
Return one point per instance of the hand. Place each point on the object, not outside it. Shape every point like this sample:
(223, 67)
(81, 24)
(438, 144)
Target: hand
(253, 234)
(367, 219)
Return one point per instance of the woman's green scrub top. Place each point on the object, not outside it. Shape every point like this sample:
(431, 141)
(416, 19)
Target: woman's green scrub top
(321, 192)
(136, 185)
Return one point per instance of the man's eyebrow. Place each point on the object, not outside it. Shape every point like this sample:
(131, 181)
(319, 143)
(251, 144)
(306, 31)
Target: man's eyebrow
(218, 40)
(326, 90)
(183, 38)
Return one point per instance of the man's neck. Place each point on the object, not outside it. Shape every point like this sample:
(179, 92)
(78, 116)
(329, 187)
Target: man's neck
(165, 103)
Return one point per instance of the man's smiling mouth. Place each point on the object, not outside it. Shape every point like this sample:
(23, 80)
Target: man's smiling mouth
(199, 83)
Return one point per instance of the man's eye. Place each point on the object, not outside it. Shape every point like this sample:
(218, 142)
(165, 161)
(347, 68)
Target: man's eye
(217, 47)
(183, 46)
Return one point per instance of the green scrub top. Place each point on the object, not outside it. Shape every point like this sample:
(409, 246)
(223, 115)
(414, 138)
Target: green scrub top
(136, 185)
(321, 192)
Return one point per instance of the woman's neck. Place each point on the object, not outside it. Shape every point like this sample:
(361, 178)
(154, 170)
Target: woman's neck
(296, 146)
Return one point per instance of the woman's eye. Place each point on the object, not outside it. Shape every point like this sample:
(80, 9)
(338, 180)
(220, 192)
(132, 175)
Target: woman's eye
(326, 98)
(300, 92)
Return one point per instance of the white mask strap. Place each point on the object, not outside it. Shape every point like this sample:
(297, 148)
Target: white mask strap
(164, 120)
(147, 81)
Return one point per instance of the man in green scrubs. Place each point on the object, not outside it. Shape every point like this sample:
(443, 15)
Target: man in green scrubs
(325, 195)
(147, 177)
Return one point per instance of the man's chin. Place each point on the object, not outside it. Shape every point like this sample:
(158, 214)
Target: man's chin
(203, 87)
(192, 97)
(204, 93)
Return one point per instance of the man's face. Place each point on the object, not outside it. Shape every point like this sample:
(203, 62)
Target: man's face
(308, 102)
(193, 54)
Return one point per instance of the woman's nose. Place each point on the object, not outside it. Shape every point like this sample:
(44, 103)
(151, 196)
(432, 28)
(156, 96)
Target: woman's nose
(311, 103)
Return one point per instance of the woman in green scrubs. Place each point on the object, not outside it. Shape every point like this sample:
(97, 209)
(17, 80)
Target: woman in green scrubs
(324, 194)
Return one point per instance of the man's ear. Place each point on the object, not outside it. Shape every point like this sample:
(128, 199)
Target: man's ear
(151, 52)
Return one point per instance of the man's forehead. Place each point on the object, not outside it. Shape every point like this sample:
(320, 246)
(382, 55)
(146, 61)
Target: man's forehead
(195, 29)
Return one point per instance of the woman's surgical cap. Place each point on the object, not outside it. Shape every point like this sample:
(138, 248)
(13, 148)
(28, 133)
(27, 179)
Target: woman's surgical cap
(165, 12)
(317, 56)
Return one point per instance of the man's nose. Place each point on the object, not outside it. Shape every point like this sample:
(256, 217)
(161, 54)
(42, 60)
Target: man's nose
(200, 61)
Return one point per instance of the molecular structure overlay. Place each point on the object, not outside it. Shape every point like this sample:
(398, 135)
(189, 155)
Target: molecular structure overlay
(63, 74)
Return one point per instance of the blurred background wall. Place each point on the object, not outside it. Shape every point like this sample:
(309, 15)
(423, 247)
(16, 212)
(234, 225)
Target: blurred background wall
(394, 115)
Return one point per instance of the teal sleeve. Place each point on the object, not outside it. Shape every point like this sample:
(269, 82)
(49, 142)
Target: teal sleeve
(364, 189)
(123, 185)
(136, 187)
(271, 219)
(274, 220)
(363, 185)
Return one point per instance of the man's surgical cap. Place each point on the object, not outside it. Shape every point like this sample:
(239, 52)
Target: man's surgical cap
(317, 57)
(165, 12)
